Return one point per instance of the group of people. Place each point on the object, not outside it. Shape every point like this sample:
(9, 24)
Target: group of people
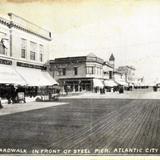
(10, 92)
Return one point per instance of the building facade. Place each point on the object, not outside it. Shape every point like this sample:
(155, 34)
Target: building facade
(78, 73)
(129, 73)
(83, 73)
(24, 50)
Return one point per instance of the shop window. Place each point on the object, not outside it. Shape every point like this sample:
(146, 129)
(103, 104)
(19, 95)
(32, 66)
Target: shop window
(23, 48)
(90, 70)
(41, 52)
(33, 49)
(75, 71)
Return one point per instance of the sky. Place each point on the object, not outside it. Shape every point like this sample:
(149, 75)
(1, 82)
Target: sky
(130, 29)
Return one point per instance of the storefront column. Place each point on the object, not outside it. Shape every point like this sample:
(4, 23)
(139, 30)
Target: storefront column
(74, 87)
(79, 85)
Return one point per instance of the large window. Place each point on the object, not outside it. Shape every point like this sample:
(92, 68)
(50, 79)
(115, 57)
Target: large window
(41, 51)
(23, 48)
(2, 48)
(62, 71)
(75, 71)
(90, 69)
(33, 49)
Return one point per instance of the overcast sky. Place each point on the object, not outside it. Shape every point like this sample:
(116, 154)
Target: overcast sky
(130, 29)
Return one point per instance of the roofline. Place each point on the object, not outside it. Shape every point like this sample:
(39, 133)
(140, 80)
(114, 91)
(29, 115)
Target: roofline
(4, 21)
(27, 30)
(63, 58)
(118, 72)
(128, 67)
(108, 64)
(21, 27)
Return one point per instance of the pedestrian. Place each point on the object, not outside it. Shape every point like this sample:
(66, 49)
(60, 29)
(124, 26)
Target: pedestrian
(9, 93)
(0, 98)
(121, 90)
(13, 94)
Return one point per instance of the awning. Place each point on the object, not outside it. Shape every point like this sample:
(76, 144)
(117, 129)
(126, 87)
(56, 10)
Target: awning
(110, 83)
(8, 75)
(97, 83)
(35, 77)
(123, 83)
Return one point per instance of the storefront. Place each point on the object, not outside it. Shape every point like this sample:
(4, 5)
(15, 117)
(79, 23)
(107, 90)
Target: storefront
(81, 84)
(122, 83)
(76, 84)
(97, 85)
(110, 85)
(16, 83)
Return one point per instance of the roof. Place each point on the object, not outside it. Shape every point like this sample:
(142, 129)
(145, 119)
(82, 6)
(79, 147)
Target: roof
(78, 59)
(91, 55)
(117, 72)
(111, 58)
(123, 68)
(108, 64)
(27, 26)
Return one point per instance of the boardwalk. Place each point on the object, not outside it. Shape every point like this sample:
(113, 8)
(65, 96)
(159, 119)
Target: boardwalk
(96, 126)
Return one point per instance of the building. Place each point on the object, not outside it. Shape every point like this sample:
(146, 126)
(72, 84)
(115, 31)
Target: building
(129, 72)
(83, 73)
(120, 78)
(78, 73)
(24, 50)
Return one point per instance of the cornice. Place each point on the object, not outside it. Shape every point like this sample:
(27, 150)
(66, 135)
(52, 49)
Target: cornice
(4, 21)
(12, 24)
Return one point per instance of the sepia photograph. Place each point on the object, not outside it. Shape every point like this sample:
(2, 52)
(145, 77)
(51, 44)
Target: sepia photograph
(80, 78)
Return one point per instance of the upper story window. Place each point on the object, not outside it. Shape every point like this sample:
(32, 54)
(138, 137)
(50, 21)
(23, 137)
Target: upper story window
(62, 71)
(41, 52)
(75, 70)
(23, 48)
(2, 49)
(33, 49)
(90, 69)
(110, 74)
(99, 71)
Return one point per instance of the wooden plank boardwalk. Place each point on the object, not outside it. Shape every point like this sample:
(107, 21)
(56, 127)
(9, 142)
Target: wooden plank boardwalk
(87, 124)
(132, 125)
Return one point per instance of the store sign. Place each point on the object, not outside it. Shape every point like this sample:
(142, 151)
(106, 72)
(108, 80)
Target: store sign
(30, 66)
(4, 61)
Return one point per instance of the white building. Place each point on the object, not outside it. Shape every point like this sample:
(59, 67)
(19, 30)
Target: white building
(24, 50)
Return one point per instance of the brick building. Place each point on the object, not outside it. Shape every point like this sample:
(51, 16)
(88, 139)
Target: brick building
(83, 73)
